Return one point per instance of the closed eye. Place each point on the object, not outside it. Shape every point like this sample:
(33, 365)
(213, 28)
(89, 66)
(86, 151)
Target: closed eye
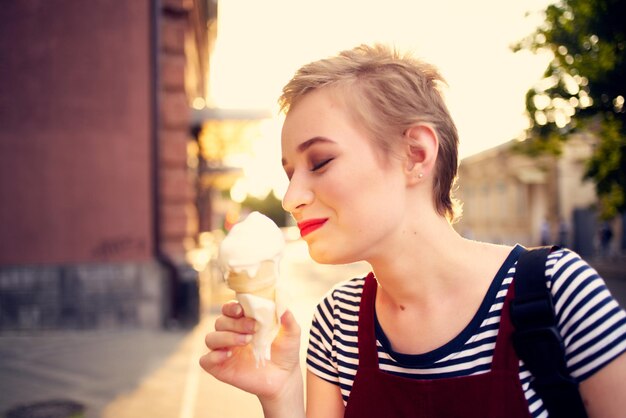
(321, 164)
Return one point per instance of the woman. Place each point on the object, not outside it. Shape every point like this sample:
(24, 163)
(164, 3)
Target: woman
(371, 154)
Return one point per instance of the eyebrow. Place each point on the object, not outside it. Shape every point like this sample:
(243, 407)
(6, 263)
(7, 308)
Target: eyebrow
(309, 143)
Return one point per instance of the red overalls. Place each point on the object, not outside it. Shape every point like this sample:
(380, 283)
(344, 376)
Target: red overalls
(495, 394)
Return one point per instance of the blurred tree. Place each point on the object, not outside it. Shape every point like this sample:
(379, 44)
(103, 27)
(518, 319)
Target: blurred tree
(269, 206)
(583, 88)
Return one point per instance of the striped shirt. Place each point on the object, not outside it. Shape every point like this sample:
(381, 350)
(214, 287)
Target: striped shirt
(592, 325)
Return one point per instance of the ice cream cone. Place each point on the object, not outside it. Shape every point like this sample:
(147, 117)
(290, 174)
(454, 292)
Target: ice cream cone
(250, 254)
(268, 293)
(262, 284)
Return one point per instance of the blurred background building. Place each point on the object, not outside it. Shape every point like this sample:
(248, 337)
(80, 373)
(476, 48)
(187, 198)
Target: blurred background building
(509, 197)
(106, 179)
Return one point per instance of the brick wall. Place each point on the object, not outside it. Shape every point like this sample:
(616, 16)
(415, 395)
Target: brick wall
(80, 245)
(75, 132)
(77, 235)
(176, 194)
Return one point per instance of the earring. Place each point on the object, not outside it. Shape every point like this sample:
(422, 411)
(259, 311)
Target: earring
(420, 175)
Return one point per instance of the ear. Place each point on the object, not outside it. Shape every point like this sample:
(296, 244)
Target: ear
(421, 147)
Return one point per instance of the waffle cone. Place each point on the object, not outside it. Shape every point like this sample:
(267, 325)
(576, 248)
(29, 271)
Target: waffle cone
(262, 284)
(265, 293)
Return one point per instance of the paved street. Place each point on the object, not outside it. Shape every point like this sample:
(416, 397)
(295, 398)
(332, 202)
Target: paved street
(90, 367)
(191, 393)
(132, 373)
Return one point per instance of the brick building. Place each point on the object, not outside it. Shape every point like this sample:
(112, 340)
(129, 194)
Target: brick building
(97, 196)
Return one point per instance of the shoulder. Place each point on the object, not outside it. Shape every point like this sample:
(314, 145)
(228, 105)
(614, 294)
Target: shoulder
(567, 272)
(564, 258)
(573, 282)
(590, 320)
(334, 327)
(349, 287)
(345, 295)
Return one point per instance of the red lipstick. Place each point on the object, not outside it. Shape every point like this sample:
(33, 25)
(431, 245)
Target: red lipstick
(308, 226)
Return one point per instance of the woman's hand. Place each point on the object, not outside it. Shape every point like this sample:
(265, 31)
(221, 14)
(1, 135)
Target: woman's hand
(231, 360)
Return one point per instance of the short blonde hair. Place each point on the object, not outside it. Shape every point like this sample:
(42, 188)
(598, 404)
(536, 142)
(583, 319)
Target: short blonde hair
(387, 93)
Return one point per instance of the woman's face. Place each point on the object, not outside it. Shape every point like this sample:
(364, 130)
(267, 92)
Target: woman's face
(347, 198)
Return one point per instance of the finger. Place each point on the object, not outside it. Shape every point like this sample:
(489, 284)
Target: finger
(214, 358)
(232, 309)
(290, 326)
(240, 325)
(223, 339)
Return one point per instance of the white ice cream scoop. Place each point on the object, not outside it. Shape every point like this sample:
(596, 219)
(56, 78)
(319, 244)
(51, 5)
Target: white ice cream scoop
(250, 242)
(250, 255)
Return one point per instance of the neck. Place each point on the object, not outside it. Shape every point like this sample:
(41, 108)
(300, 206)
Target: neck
(415, 264)
(422, 263)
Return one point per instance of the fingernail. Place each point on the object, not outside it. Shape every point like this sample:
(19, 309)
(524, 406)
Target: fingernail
(237, 310)
(245, 339)
(229, 354)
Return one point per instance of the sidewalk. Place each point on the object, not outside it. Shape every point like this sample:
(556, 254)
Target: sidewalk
(87, 367)
(181, 389)
(138, 373)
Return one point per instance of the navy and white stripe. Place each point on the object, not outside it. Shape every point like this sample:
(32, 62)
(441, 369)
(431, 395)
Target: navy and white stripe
(592, 324)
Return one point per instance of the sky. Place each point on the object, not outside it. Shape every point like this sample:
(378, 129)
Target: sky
(260, 44)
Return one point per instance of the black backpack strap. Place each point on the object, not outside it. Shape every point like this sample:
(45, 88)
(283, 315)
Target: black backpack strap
(537, 340)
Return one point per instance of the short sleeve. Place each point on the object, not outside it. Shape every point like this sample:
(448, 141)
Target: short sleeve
(590, 320)
(321, 358)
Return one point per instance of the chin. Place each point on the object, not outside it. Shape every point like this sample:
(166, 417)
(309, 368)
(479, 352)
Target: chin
(326, 256)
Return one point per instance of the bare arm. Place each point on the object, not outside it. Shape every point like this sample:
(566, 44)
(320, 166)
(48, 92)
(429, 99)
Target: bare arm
(604, 392)
(323, 398)
(289, 403)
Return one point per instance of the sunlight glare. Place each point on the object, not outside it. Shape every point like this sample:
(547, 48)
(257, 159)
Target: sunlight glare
(261, 44)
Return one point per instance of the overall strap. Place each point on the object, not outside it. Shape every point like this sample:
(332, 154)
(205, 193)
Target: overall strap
(537, 340)
(368, 351)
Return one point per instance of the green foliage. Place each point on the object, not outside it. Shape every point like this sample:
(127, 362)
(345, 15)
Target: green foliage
(583, 87)
(270, 206)
(608, 168)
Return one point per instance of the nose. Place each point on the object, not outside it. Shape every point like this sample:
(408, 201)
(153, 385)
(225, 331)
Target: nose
(298, 196)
